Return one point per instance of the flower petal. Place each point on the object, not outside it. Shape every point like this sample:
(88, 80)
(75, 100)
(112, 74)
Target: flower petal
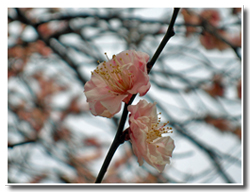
(113, 104)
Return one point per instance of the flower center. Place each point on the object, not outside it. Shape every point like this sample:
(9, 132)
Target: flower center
(116, 76)
(156, 130)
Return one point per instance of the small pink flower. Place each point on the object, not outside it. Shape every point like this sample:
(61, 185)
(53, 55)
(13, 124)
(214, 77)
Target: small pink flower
(115, 81)
(146, 135)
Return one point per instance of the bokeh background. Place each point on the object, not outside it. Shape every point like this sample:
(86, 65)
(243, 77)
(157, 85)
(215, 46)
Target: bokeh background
(196, 82)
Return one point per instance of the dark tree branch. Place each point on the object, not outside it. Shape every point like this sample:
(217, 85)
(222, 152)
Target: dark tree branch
(58, 17)
(22, 143)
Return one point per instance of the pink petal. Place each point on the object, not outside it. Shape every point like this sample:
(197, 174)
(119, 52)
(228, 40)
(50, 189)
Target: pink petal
(113, 103)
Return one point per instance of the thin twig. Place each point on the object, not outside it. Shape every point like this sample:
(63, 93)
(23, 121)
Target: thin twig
(22, 143)
(170, 33)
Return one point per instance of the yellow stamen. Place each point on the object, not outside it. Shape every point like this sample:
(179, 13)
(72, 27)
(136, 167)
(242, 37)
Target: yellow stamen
(156, 130)
(106, 56)
(117, 78)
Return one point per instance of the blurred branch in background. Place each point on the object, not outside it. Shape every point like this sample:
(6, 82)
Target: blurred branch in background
(196, 81)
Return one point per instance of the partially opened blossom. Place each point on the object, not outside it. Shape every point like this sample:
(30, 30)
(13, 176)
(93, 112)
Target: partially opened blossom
(146, 137)
(115, 81)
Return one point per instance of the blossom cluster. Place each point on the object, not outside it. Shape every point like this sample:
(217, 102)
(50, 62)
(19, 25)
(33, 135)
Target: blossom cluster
(115, 81)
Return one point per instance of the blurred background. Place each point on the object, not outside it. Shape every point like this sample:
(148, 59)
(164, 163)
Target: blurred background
(196, 82)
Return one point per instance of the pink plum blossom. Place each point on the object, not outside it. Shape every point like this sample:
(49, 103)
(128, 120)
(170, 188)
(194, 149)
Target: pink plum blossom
(115, 81)
(146, 137)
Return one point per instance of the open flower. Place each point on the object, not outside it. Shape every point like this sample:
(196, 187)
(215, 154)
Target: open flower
(146, 135)
(117, 80)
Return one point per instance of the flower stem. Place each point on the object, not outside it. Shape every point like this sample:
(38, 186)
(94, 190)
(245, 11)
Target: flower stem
(117, 140)
(170, 32)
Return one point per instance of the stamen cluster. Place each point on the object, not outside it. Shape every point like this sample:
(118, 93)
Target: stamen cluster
(117, 78)
(156, 130)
